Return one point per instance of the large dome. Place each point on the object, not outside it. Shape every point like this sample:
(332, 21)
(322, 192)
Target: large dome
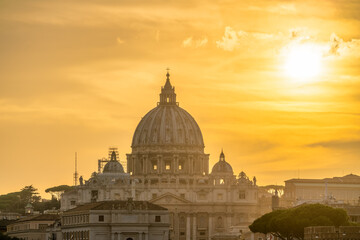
(168, 124)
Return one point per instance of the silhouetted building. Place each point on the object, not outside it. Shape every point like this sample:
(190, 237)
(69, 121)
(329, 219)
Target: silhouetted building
(117, 220)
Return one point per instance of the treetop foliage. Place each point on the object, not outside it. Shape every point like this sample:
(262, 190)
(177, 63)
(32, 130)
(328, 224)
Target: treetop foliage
(60, 188)
(290, 223)
(16, 201)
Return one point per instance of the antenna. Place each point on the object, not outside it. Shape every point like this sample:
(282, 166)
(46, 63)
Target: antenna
(76, 175)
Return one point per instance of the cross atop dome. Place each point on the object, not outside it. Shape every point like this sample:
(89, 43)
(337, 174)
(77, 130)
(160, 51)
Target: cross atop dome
(167, 83)
(167, 95)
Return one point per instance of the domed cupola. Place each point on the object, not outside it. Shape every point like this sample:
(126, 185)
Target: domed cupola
(222, 167)
(167, 141)
(113, 166)
(168, 125)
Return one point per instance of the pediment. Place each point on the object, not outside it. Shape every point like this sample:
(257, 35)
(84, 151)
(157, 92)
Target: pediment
(169, 198)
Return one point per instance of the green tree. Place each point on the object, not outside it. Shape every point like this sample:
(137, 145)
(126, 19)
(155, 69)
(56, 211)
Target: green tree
(290, 223)
(29, 194)
(46, 205)
(58, 190)
(10, 201)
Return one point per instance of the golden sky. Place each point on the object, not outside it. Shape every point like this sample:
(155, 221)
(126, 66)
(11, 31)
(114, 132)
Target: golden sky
(276, 84)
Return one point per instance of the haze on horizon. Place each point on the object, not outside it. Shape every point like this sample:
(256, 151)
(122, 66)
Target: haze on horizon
(276, 84)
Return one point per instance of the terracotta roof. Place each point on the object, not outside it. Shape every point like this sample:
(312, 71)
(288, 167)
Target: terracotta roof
(350, 178)
(40, 217)
(118, 205)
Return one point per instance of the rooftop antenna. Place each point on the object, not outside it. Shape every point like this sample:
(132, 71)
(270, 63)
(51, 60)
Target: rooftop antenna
(76, 175)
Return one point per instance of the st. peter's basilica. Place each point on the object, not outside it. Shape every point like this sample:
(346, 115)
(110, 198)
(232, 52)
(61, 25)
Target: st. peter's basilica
(168, 167)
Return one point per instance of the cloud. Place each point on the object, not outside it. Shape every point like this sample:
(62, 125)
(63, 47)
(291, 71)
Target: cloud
(338, 144)
(335, 43)
(338, 47)
(230, 41)
(282, 9)
(235, 39)
(281, 43)
(119, 40)
(190, 42)
(187, 42)
(300, 34)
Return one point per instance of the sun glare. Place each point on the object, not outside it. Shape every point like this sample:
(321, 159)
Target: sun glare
(303, 62)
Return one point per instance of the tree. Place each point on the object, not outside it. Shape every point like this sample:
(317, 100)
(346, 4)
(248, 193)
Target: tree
(10, 201)
(290, 223)
(47, 205)
(29, 195)
(58, 190)
(16, 201)
(4, 237)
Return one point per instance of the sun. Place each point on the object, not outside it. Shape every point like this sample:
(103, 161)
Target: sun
(302, 62)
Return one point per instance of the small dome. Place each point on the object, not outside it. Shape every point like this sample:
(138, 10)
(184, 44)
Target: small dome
(113, 166)
(222, 166)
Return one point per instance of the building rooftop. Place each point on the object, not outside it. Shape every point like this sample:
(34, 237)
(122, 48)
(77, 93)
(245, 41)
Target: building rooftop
(350, 178)
(40, 217)
(117, 205)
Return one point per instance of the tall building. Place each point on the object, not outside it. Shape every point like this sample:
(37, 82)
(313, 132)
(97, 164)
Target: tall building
(168, 167)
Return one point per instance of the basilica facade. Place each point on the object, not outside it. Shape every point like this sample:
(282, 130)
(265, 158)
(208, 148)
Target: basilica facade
(168, 167)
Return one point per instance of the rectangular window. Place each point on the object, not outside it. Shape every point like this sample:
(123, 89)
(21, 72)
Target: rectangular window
(220, 196)
(94, 194)
(72, 203)
(182, 195)
(202, 196)
(154, 166)
(180, 167)
(157, 218)
(241, 194)
(182, 233)
(101, 218)
(154, 195)
(43, 226)
(202, 233)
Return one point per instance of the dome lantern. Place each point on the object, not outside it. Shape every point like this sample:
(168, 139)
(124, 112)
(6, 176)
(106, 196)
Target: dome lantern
(167, 95)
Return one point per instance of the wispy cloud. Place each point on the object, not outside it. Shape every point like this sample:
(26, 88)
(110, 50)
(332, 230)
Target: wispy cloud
(233, 39)
(119, 40)
(338, 144)
(197, 43)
